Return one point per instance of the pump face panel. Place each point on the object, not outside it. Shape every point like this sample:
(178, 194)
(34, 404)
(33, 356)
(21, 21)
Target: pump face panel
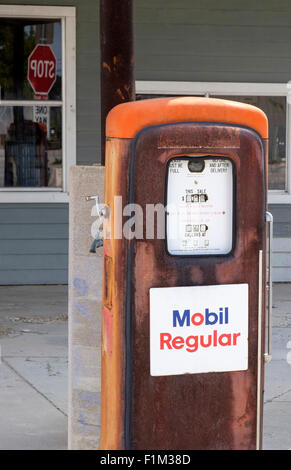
(213, 398)
(200, 206)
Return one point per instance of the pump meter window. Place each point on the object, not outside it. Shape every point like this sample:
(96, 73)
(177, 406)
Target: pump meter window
(200, 206)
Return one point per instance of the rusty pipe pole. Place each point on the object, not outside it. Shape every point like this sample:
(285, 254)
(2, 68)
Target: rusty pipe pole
(117, 57)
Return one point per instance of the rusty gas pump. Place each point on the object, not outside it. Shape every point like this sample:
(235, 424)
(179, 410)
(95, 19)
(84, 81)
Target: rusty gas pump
(184, 301)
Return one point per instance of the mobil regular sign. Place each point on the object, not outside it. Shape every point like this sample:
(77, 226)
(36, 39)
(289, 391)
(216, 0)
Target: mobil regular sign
(198, 329)
(42, 70)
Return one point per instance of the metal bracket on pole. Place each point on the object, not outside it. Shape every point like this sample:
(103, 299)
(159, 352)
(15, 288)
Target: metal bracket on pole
(98, 240)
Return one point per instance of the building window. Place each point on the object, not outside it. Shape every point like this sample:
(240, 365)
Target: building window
(271, 98)
(275, 109)
(37, 102)
(31, 146)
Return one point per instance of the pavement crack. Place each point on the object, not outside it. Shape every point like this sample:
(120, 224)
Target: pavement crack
(32, 386)
(278, 396)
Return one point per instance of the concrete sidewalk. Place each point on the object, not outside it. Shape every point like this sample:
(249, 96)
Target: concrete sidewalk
(277, 408)
(33, 372)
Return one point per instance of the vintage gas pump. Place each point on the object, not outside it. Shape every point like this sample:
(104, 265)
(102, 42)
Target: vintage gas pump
(184, 298)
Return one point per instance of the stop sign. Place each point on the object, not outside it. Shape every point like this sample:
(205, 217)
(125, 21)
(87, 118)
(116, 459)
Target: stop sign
(42, 70)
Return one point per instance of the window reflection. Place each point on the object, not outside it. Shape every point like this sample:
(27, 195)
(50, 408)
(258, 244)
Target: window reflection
(30, 146)
(275, 109)
(18, 38)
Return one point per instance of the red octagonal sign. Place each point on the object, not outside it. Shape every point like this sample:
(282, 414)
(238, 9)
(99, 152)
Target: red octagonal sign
(42, 70)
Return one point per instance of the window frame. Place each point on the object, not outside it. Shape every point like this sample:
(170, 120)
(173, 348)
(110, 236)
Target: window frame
(232, 89)
(67, 16)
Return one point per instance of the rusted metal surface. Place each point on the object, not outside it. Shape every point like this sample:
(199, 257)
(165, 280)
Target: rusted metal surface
(193, 411)
(117, 57)
(113, 319)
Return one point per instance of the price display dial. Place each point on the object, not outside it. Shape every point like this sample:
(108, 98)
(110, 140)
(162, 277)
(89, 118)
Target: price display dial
(199, 212)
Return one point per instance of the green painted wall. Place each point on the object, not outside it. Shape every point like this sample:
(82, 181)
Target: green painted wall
(33, 243)
(213, 40)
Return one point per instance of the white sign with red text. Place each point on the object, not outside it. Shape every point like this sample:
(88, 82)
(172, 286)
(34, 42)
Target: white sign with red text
(198, 329)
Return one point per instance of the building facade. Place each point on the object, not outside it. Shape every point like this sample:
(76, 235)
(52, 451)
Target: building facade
(50, 106)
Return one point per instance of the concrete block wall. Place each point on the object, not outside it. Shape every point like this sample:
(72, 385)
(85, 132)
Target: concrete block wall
(85, 293)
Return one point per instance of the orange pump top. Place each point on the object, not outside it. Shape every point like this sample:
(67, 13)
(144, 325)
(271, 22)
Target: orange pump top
(127, 119)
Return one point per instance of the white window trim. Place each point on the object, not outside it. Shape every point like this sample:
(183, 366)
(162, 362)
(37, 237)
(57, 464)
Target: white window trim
(224, 88)
(67, 15)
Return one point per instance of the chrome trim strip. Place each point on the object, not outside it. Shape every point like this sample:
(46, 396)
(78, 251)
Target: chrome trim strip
(268, 353)
(260, 305)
